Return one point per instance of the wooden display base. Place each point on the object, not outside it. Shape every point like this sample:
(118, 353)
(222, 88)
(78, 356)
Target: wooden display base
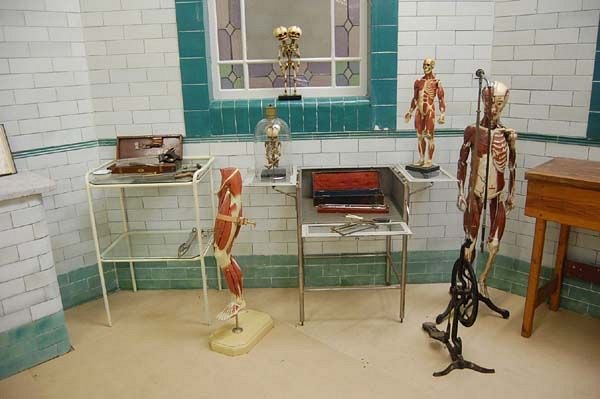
(423, 171)
(290, 97)
(255, 325)
(273, 173)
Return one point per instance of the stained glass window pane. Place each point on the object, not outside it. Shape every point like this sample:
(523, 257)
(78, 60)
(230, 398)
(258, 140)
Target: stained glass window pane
(347, 73)
(229, 27)
(310, 74)
(347, 28)
(232, 76)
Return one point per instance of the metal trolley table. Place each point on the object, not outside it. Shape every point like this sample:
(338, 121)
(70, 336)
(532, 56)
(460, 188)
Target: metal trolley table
(312, 224)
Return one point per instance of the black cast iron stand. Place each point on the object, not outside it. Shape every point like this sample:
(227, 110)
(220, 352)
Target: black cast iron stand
(463, 307)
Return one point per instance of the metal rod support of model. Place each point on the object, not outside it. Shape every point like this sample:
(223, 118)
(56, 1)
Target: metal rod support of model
(290, 52)
(425, 90)
(492, 148)
(227, 226)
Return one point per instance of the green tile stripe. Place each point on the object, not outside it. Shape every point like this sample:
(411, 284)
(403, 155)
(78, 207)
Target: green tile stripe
(512, 275)
(25, 346)
(83, 284)
(281, 271)
(54, 149)
(538, 137)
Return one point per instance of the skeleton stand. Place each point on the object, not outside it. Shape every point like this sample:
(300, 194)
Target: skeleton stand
(464, 304)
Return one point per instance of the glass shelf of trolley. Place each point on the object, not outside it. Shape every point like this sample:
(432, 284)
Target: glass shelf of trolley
(156, 245)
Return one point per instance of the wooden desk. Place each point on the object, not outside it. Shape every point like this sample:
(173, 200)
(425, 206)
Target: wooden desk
(566, 191)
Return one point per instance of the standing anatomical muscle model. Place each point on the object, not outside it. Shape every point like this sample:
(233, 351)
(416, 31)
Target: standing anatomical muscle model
(227, 226)
(425, 91)
(502, 157)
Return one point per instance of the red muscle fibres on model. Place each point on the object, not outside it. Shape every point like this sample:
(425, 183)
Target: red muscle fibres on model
(425, 90)
(502, 156)
(227, 226)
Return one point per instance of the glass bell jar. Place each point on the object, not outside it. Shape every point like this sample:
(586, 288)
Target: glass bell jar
(272, 142)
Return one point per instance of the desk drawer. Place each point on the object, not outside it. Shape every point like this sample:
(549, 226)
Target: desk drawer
(563, 203)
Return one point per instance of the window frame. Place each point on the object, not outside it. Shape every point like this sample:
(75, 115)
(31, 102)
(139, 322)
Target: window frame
(260, 93)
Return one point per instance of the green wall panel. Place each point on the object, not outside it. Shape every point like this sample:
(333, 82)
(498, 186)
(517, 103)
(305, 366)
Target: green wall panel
(28, 345)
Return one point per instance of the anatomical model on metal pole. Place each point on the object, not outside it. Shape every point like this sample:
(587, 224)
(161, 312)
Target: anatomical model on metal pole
(237, 340)
(425, 90)
(492, 148)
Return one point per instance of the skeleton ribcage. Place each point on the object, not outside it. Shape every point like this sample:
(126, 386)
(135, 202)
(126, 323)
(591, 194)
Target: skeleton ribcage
(499, 151)
(429, 89)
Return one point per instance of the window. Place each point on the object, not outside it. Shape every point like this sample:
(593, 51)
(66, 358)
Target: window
(244, 51)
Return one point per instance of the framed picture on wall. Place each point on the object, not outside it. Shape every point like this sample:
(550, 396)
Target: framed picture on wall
(7, 164)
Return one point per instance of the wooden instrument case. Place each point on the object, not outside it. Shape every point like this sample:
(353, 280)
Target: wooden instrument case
(140, 154)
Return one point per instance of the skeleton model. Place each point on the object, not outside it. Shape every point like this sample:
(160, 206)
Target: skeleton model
(288, 50)
(227, 226)
(425, 90)
(488, 166)
(273, 146)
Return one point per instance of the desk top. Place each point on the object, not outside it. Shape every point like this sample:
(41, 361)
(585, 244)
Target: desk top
(574, 172)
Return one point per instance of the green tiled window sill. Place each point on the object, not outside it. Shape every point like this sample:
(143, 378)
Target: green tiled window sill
(334, 114)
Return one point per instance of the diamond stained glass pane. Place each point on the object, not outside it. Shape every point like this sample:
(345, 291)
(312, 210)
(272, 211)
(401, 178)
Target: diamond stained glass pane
(347, 73)
(231, 76)
(229, 34)
(347, 29)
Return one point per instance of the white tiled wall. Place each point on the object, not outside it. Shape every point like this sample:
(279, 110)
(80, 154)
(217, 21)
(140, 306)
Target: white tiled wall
(133, 59)
(544, 51)
(28, 286)
(458, 35)
(68, 76)
(44, 86)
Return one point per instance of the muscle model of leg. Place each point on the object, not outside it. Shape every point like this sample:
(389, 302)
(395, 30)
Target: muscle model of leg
(227, 226)
(502, 156)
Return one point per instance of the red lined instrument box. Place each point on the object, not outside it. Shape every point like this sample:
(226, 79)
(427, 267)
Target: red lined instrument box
(348, 191)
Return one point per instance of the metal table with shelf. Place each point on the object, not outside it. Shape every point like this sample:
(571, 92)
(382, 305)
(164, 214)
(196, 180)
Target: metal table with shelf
(158, 245)
(312, 224)
(397, 183)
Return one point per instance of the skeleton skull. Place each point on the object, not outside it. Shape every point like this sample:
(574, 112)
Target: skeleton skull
(428, 65)
(281, 33)
(499, 97)
(294, 32)
(273, 131)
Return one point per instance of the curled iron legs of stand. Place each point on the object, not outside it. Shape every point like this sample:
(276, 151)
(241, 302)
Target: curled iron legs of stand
(463, 306)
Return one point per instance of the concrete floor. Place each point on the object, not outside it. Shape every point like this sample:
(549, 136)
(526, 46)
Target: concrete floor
(351, 346)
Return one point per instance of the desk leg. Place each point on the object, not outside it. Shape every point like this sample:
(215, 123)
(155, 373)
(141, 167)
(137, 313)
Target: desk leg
(534, 276)
(561, 253)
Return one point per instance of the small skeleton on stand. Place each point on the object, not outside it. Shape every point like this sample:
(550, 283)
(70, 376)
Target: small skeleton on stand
(290, 52)
(273, 147)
